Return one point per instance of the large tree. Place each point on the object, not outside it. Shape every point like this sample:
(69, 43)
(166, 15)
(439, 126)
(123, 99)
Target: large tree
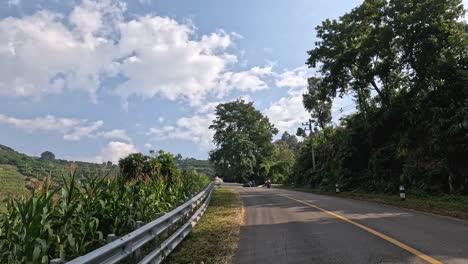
(385, 47)
(406, 65)
(243, 141)
(47, 155)
(318, 104)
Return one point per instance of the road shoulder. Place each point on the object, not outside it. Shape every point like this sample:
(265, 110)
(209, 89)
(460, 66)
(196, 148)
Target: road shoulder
(215, 238)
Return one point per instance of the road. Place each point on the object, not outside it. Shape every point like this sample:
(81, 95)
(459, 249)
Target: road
(282, 226)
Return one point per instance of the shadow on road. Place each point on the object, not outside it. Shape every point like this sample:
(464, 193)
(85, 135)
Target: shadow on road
(279, 230)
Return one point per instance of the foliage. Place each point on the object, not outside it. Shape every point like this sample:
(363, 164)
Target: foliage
(201, 166)
(278, 167)
(318, 105)
(406, 65)
(243, 141)
(47, 155)
(40, 168)
(12, 184)
(75, 218)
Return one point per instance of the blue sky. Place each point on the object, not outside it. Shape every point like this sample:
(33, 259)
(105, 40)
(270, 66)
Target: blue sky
(97, 80)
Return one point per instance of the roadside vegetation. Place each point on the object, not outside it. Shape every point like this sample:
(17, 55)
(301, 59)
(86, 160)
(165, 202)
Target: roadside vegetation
(215, 238)
(75, 217)
(410, 92)
(12, 184)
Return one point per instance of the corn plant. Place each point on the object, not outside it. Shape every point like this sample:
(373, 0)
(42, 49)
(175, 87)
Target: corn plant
(74, 218)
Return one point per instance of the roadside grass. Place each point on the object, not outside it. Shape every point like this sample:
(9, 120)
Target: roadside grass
(215, 238)
(448, 205)
(12, 184)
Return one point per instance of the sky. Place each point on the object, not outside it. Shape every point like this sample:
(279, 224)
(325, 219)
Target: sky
(97, 80)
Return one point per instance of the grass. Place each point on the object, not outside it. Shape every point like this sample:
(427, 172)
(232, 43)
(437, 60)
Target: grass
(215, 238)
(12, 184)
(449, 205)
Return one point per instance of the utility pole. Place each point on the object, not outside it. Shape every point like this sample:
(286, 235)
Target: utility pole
(308, 126)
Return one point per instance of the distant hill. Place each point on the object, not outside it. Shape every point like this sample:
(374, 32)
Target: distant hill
(40, 167)
(201, 166)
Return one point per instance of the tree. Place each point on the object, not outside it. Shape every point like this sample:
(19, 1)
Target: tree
(243, 141)
(290, 140)
(47, 155)
(405, 63)
(133, 166)
(317, 103)
(178, 157)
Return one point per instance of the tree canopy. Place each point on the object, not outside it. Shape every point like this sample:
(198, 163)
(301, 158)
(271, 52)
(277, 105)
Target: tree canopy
(47, 155)
(243, 139)
(406, 65)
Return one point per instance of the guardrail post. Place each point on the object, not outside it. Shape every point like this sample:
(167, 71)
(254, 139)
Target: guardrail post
(138, 251)
(57, 261)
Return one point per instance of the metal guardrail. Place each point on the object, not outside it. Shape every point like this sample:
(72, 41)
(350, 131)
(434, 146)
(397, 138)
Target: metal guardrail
(131, 243)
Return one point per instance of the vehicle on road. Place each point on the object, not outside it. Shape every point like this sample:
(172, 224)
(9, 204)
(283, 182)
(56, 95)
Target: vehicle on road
(249, 184)
(218, 181)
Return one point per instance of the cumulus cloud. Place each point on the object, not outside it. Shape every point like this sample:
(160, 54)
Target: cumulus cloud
(194, 128)
(48, 53)
(296, 78)
(71, 128)
(287, 113)
(114, 151)
(246, 81)
(40, 55)
(115, 134)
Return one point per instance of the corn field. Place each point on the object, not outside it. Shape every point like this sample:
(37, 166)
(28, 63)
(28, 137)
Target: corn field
(75, 218)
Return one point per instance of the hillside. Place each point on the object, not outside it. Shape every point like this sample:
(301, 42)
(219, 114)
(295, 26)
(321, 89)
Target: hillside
(30, 167)
(12, 183)
(202, 166)
(40, 167)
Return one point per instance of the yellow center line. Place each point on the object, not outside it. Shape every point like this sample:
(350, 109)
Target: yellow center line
(372, 231)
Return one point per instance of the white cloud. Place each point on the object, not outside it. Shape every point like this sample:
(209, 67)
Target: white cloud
(40, 55)
(208, 107)
(246, 81)
(161, 119)
(114, 151)
(115, 134)
(194, 128)
(148, 145)
(71, 128)
(48, 53)
(287, 113)
(296, 78)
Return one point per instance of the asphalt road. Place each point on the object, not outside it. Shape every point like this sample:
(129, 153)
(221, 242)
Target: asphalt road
(283, 226)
